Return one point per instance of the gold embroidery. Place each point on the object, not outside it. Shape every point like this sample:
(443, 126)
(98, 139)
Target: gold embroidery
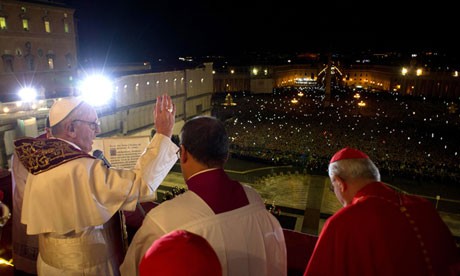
(39, 155)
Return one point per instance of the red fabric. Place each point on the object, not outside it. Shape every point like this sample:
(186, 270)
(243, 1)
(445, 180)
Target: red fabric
(376, 235)
(299, 247)
(221, 193)
(348, 153)
(180, 253)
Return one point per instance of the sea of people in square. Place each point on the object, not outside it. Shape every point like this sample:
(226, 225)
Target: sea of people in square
(410, 137)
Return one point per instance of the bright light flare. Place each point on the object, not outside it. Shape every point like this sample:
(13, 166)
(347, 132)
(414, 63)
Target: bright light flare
(27, 94)
(96, 90)
(404, 71)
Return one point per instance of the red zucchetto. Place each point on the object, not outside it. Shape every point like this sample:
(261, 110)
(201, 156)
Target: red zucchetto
(348, 153)
(180, 253)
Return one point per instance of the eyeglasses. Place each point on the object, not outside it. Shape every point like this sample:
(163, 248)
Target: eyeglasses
(178, 153)
(92, 125)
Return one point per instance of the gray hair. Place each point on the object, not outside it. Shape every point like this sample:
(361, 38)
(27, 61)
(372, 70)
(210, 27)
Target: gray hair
(354, 169)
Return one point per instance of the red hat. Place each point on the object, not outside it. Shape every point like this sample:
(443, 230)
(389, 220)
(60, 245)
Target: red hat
(180, 253)
(348, 153)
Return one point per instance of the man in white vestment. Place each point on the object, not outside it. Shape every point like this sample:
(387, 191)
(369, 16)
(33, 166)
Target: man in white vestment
(232, 217)
(72, 200)
(25, 247)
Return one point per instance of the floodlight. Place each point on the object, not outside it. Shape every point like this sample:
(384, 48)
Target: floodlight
(27, 94)
(96, 90)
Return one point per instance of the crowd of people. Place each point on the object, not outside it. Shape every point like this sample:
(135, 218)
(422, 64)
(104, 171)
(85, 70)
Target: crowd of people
(73, 201)
(411, 137)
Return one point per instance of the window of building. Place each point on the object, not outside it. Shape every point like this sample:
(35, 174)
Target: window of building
(50, 60)
(66, 24)
(2, 23)
(47, 26)
(25, 24)
(8, 62)
(30, 62)
(51, 63)
(69, 59)
(23, 9)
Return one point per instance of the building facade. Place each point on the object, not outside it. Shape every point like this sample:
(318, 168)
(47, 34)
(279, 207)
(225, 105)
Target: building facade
(38, 49)
(408, 80)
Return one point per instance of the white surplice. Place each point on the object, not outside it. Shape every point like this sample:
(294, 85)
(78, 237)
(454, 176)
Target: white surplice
(248, 240)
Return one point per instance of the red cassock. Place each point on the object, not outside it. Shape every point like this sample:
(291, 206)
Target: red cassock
(384, 232)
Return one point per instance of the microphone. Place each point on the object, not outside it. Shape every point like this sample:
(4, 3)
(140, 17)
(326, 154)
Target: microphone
(99, 155)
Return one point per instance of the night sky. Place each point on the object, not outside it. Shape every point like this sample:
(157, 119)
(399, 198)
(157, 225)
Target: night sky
(140, 30)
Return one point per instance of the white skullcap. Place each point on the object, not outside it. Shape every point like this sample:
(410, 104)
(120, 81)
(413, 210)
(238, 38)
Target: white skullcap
(62, 108)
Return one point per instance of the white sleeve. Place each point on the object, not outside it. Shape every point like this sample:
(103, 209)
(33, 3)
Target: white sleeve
(141, 242)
